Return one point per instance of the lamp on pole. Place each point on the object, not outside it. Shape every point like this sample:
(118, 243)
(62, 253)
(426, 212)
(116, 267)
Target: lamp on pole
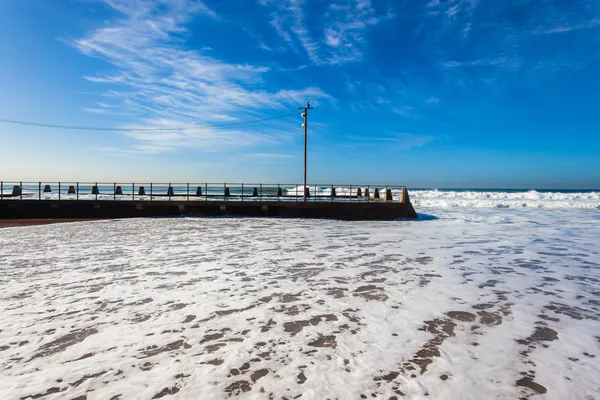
(305, 125)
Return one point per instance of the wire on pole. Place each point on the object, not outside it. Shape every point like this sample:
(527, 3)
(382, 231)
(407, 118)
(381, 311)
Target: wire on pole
(91, 128)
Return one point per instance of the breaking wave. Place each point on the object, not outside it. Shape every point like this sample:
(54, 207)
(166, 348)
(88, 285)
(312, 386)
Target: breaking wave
(505, 199)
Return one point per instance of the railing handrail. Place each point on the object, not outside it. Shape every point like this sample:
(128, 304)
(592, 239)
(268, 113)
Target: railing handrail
(195, 191)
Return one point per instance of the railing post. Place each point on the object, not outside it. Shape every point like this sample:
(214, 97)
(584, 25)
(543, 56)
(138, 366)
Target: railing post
(169, 191)
(59, 190)
(77, 191)
(205, 191)
(278, 189)
(1, 190)
(350, 193)
(188, 192)
(242, 192)
(39, 190)
(133, 191)
(21, 190)
(369, 193)
(97, 190)
(224, 190)
(150, 191)
(260, 192)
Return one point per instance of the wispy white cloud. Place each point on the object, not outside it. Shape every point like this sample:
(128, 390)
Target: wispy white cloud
(503, 61)
(339, 38)
(104, 105)
(97, 110)
(265, 47)
(498, 64)
(396, 141)
(126, 152)
(271, 156)
(492, 43)
(332, 37)
(155, 75)
(104, 110)
(594, 23)
(405, 111)
(407, 141)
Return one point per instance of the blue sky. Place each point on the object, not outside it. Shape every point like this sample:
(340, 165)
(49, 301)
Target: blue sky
(457, 93)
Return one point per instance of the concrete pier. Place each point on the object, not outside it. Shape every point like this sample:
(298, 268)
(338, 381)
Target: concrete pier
(170, 191)
(67, 209)
(255, 192)
(95, 190)
(199, 191)
(376, 193)
(47, 189)
(142, 191)
(118, 191)
(358, 192)
(16, 190)
(71, 190)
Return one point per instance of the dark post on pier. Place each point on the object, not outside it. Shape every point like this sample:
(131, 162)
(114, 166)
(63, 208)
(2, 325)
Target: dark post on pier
(305, 124)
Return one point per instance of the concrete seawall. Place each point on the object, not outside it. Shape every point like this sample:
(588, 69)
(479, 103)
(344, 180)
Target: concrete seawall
(30, 209)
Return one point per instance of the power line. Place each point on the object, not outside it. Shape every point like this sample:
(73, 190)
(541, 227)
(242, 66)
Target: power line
(87, 128)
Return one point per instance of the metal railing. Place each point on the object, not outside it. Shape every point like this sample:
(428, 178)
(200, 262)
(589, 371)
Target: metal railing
(173, 191)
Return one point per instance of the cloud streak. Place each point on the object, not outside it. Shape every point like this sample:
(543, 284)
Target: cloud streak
(478, 43)
(395, 141)
(594, 23)
(339, 37)
(156, 76)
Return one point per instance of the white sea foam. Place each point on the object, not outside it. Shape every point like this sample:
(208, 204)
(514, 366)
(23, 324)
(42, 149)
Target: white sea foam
(500, 199)
(462, 304)
(475, 198)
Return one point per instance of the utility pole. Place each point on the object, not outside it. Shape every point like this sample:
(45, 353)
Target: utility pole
(305, 124)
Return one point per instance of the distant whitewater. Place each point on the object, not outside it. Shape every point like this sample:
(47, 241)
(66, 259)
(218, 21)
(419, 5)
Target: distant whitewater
(478, 198)
(506, 199)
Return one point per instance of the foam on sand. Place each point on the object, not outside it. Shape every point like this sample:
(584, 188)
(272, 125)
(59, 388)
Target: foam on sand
(493, 303)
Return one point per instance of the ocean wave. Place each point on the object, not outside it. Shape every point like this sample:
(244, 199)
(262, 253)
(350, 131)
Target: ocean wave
(477, 199)
(499, 199)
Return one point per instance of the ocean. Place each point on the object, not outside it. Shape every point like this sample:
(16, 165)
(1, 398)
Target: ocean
(490, 294)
